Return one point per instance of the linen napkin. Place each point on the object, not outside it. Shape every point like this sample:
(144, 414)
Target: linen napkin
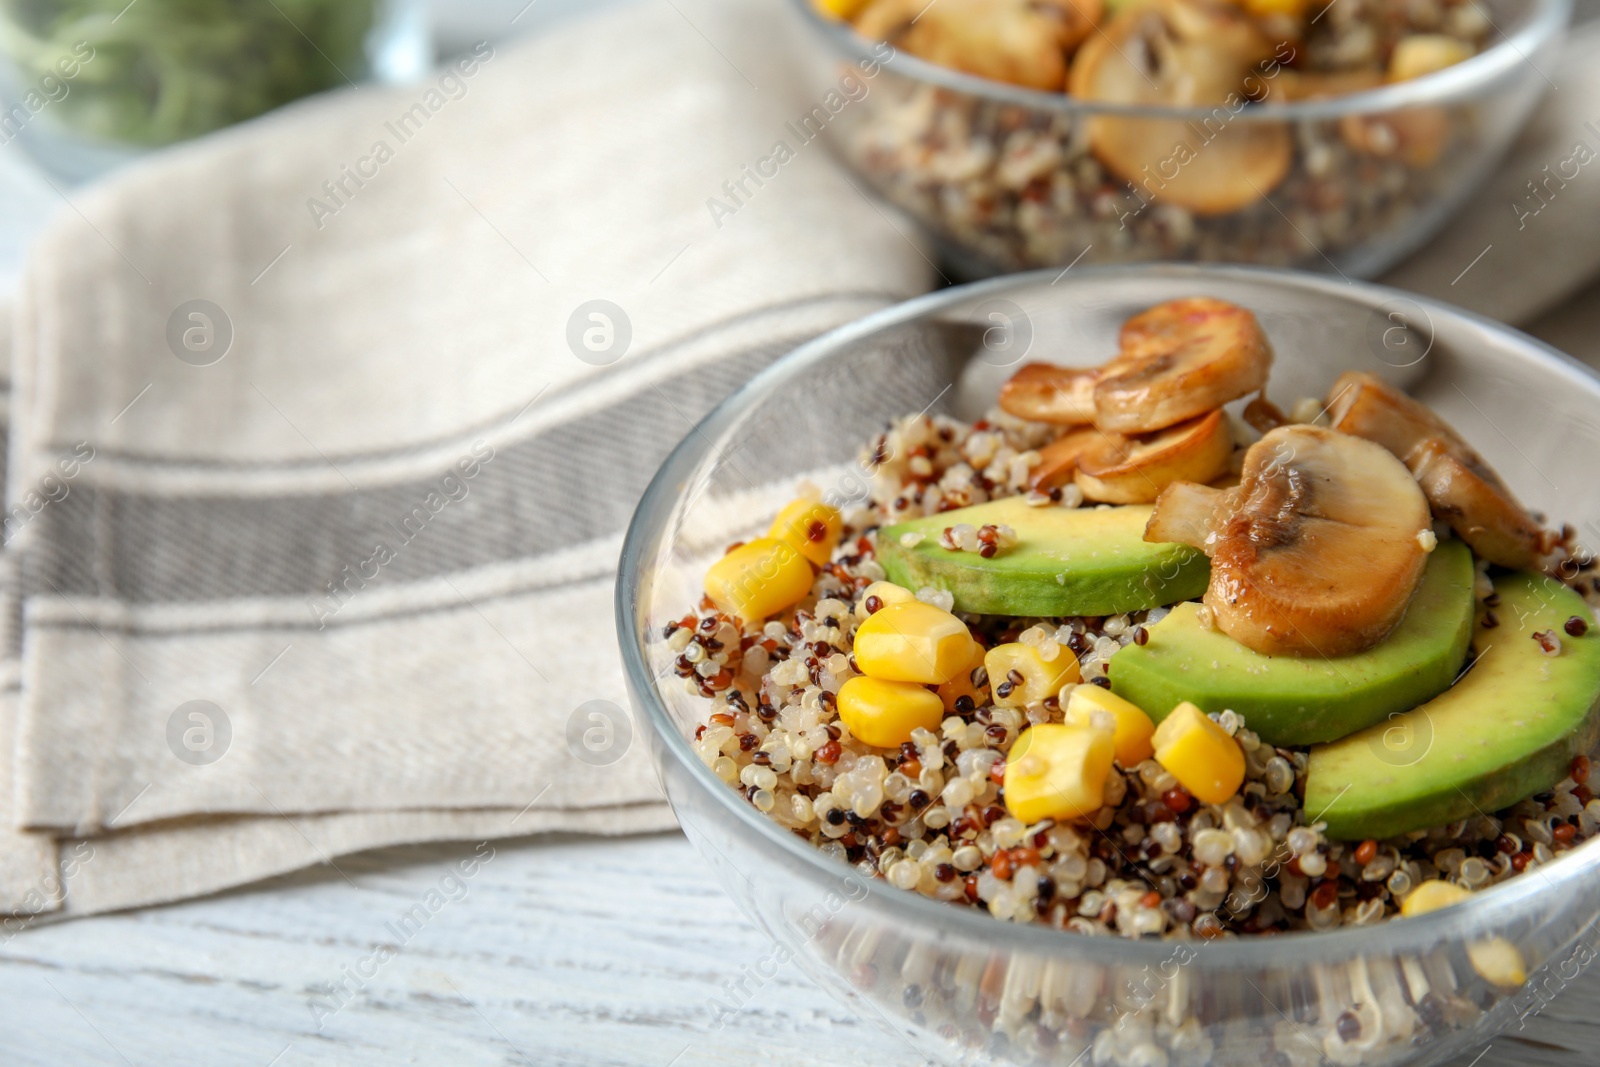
(325, 430)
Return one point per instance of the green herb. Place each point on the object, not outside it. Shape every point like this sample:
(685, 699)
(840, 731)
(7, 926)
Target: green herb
(164, 70)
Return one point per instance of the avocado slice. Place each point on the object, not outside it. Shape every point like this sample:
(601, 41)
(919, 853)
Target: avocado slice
(1508, 729)
(1301, 700)
(1067, 561)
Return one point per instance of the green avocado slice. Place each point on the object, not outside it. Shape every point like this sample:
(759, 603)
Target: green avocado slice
(1301, 700)
(1508, 729)
(1067, 561)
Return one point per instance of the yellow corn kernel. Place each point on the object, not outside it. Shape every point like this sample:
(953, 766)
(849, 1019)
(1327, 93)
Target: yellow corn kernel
(811, 526)
(961, 686)
(1266, 8)
(1040, 677)
(1431, 896)
(1425, 53)
(1055, 771)
(841, 9)
(882, 594)
(1133, 730)
(1199, 754)
(913, 642)
(1498, 961)
(1495, 958)
(884, 713)
(759, 579)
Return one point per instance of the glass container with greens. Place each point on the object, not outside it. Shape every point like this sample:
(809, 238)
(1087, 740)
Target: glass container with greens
(89, 81)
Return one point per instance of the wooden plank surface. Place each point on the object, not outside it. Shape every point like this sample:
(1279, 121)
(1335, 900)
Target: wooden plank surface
(558, 952)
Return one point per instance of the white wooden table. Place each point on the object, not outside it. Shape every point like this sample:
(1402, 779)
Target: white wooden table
(562, 951)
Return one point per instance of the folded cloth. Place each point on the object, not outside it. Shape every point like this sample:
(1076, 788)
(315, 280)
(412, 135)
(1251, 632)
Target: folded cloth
(326, 430)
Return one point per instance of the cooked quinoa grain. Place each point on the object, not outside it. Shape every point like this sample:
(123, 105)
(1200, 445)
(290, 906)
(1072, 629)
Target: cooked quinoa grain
(929, 816)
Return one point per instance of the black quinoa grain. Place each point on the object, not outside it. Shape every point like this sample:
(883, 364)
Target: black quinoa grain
(918, 799)
(761, 759)
(965, 704)
(1349, 1027)
(1576, 627)
(1002, 690)
(944, 872)
(835, 816)
(1101, 680)
(912, 996)
(1141, 636)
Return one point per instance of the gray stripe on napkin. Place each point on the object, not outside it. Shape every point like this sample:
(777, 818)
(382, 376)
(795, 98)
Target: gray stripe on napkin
(520, 505)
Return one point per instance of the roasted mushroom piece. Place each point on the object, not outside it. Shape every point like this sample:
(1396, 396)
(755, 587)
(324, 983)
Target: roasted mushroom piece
(1176, 361)
(1179, 360)
(1044, 392)
(1316, 552)
(1183, 53)
(1461, 488)
(1023, 42)
(1134, 470)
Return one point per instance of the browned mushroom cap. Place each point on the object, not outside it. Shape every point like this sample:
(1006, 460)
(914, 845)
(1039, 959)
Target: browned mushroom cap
(1315, 552)
(1179, 360)
(1045, 392)
(1316, 84)
(1416, 136)
(1134, 470)
(1058, 460)
(1022, 42)
(1461, 488)
(1182, 53)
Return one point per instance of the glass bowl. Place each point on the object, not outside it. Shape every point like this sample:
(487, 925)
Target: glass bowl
(959, 985)
(1004, 178)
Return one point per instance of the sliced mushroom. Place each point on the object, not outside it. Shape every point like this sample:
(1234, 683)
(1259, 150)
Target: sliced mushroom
(1022, 42)
(1416, 136)
(1179, 360)
(1462, 489)
(1316, 84)
(1263, 416)
(1134, 470)
(1315, 552)
(1182, 53)
(1058, 460)
(1045, 392)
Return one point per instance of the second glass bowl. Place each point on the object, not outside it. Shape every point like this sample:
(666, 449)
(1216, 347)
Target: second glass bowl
(1006, 178)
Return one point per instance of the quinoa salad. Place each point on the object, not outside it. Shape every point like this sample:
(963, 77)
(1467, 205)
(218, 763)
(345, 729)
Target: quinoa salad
(1018, 186)
(1294, 632)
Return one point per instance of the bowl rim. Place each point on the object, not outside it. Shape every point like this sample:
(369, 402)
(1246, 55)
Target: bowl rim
(1455, 83)
(1483, 911)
